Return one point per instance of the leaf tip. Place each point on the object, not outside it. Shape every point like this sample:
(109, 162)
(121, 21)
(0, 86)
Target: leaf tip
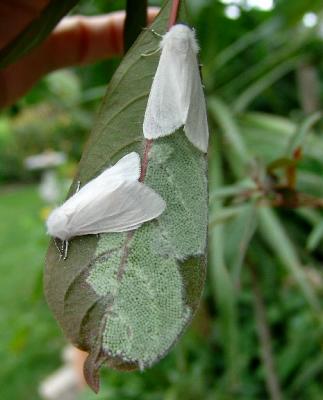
(91, 372)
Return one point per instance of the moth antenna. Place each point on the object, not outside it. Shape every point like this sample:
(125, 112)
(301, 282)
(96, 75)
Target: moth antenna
(151, 53)
(159, 35)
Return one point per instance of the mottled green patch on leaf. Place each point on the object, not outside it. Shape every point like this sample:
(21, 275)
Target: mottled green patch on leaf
(103, 276)
(110, 241)
(177, 170)
(143, 329)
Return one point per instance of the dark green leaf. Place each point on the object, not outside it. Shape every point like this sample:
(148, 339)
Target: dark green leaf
(299, 137)
(265, 81)
(275, 235)
(126, 297)
(222, 285)
(281, 163)
(315, 236)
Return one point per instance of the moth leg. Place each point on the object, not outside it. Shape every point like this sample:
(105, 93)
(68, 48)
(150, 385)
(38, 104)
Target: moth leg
(57, 243)
(65, 249)
(78, 186)
(151, 53)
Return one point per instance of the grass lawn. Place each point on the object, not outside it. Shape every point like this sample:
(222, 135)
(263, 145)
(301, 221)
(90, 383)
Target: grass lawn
(30, 341)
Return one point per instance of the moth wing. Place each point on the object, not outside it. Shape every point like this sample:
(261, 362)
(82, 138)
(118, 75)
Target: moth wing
(126, 208)
(165, 112)
(196, 126)
(127, 168)
(62, 221)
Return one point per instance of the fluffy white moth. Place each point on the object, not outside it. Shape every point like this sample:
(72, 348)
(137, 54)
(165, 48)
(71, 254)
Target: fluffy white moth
(176, 97)
(114, 201)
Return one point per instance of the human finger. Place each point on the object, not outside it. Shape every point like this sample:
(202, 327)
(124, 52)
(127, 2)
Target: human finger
(77, 40)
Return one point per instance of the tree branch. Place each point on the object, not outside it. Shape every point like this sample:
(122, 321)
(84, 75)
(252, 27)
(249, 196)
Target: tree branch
(136, 19)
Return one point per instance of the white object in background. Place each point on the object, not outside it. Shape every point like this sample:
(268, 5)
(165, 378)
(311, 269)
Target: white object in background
(61, 385)
(115, 201)
(67, 382)
(49, 159)
(176, 97)
(49, 188)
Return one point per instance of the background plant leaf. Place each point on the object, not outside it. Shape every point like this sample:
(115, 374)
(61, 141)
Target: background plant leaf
(125, 298)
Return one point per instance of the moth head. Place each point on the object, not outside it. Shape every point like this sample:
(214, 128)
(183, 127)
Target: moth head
(57, 224)
(180, 38)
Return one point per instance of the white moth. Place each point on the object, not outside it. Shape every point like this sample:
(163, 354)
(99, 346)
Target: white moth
(114, 201)
(176, 97)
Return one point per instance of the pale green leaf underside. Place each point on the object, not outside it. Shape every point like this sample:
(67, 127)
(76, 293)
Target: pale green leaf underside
(143, 329)
(126, 298)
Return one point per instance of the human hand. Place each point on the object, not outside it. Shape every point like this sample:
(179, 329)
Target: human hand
(76, 40)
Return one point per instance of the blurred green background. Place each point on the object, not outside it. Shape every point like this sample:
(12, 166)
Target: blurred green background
(259, 331)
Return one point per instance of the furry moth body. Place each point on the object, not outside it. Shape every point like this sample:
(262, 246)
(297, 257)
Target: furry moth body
(176, 97)
(114, 201)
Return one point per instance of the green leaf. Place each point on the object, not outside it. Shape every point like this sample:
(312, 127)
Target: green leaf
(298, 138)
(281, 163)
(237, 150)
(37, 30)
(275, 236)
(315, 236)
(127, 297)
(312, 368)
(239, 234)
(267, 136)
(235, 190)
(264, 82)
(225, 214)
(224, 292)
(269, 27)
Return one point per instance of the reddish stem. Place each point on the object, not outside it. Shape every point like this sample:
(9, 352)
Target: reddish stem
(291, 172)
(124, 257)
(173, 13)
(144, 164)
